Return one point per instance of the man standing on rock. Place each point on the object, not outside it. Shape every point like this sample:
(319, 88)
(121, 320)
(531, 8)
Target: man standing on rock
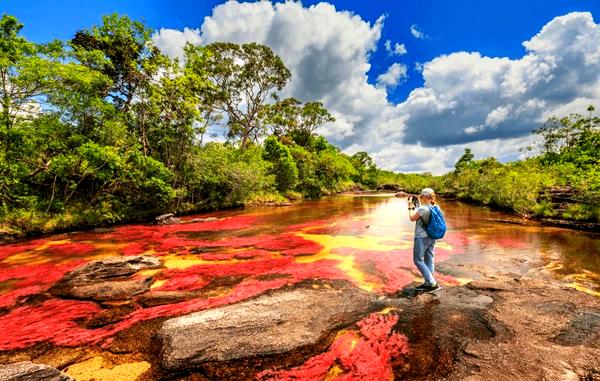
(423, 250)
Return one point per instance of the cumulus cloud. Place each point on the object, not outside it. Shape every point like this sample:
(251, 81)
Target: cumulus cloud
(393, 76)
(470, 97)
(489, 104)
(417, 33)
(326, 50)
(398, 49)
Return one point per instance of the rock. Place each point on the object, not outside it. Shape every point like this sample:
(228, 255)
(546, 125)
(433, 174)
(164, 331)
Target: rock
(276, 323)
(401, 194)
(103, 230)
(207, 219)
(110, 290)
(583, 329)
(107, 279)
(157, 298)
(167, 219)
(28, 371)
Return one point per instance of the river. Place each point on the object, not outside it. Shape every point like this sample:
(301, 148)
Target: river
(224, 257)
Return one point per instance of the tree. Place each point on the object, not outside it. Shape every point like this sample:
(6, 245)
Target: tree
(29, 74)
(244, 77)
(464, 161)
(120, 49)
(284, 168)
(574, 139)
(365, 167)
(292, 118)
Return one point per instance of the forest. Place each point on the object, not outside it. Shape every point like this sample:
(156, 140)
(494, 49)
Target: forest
(104, 128)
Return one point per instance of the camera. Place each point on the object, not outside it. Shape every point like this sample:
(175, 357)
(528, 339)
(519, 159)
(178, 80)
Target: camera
(415, 201)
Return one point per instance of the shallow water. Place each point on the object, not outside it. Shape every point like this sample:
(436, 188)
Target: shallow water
(364, 240)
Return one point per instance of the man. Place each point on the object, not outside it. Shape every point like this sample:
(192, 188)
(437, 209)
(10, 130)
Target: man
(424, 246)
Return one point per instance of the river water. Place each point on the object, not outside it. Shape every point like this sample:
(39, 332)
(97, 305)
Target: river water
(224, 257)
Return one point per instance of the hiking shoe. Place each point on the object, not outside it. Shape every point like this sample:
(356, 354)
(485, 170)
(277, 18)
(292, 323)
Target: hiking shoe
(433, 287)
(422, 287)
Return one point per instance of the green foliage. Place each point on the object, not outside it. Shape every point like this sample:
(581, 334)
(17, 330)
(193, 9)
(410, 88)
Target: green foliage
(283, 165)
(244, 78)
(224, 176)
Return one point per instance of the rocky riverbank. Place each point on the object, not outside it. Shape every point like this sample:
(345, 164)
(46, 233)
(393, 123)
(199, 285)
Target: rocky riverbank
(500, 327)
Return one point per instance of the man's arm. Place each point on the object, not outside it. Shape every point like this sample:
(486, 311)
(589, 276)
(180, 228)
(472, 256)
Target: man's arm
(414, 215)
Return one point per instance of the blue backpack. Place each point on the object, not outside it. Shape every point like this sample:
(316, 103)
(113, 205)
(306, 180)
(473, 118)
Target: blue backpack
(436, 228)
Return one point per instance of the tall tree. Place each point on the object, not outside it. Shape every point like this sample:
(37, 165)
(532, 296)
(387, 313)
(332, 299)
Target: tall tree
(290, 115)
(245, 79)
(464, 161)
(120, 49)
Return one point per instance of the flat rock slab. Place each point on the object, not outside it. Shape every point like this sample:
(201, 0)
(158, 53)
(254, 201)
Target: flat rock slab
(583, 329)
(28, 371)
(275, 323)
(107, 279)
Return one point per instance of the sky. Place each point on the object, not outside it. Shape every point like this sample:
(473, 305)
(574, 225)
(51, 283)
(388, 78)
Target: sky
(411, 82)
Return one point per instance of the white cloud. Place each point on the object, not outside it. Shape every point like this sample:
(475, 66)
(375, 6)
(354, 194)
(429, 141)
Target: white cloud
(172, 41)
(393, 76)
(470, 97)
(417, 33)
(398, 49)
(489, 104)
(388, 46)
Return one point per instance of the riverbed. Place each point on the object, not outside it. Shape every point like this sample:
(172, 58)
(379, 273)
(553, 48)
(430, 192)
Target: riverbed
(218, 259)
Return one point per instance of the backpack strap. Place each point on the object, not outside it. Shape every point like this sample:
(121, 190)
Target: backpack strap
(421, 217)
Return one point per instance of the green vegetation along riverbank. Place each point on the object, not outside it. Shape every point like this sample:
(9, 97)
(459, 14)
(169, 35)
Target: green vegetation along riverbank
(561, 181)
(105, 129)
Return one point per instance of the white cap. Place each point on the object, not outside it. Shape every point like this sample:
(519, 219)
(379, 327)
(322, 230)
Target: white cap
(427, 192)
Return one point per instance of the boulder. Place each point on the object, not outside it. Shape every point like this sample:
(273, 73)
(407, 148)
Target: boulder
(167, 219)
(107, 279)
(207, 219)
(28, 371)
(272, 324)
(583, 329)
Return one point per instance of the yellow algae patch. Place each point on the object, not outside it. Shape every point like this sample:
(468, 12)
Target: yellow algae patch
(106, 249)
(333, 373)
(461, 281)
(346, 262)
(185, 261)
(365, 242)
(387, 310)
(96, 369)
(158, 283)
(582, 288)
(150, 272)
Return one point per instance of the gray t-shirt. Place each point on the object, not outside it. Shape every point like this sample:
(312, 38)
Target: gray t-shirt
(425, 214)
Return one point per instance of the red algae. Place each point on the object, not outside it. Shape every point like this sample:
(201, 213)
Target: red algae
(245, 264)
(32, 279)
(15, 248)
(367, 355)
(53, 320)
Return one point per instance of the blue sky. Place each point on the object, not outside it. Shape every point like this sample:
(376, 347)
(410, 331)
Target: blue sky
(494, 28)
(491, 29)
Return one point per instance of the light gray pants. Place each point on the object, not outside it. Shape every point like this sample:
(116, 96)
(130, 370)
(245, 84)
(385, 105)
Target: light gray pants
(423, 257)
